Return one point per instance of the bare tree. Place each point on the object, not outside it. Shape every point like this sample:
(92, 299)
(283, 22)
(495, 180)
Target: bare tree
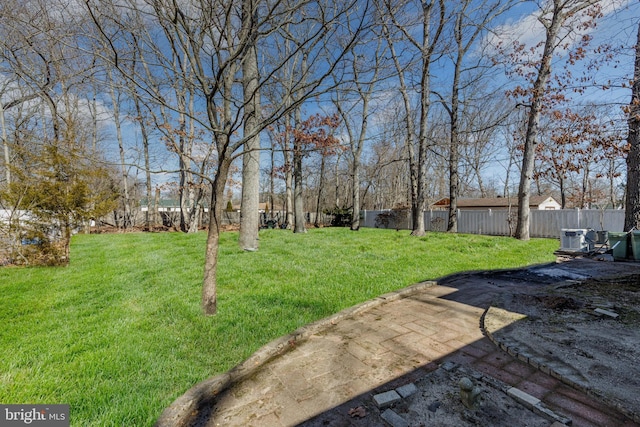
(117, 120)
(150, 216)
(429, 24)
(553, 16)
(471, 20)
(299, 219)
(481, 149)
(356, 113)
(213, 39)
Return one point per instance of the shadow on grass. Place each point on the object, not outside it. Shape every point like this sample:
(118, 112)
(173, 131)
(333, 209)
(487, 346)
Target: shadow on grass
(315, 376)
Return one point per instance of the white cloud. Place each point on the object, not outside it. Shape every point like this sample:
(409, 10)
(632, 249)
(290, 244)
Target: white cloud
(529, 31)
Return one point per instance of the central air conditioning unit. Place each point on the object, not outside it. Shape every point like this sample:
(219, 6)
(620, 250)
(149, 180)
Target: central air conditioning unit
(577, 240)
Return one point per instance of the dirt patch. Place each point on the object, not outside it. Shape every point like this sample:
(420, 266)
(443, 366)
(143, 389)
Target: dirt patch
(553, 302)
(589, 328)
(436, 401)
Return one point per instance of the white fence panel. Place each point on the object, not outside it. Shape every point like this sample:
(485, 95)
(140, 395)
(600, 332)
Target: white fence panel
(369, 218)
(436, 220)
(490, 222)
(549, 223)
(544, 223)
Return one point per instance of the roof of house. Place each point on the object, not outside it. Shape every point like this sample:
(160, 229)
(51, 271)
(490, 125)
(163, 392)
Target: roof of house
(491, 202)
(175, 203)
(170, 203)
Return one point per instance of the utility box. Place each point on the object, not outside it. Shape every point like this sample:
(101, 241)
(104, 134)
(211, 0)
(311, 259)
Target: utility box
(576, 240)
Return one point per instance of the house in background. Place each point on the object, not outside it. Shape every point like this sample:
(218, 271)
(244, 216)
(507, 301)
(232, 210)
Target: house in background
(262, 208)
(498, 203)
(169, 211)
(164, 205)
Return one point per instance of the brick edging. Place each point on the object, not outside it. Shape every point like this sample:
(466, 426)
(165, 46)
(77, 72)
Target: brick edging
(185, 410)
(542, 366)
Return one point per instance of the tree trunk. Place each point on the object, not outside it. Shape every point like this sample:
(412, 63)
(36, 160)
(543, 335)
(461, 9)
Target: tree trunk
(612, 190)
(156, 208)
(316, 222)
(184, 156)
(421, 200)
(249, 210)
(413, 188)
(209, 285)
(147, 162)
(409, 137)
(288, 178)
(272, 189)
(5, 146)
(632, 210)
(428, 45)
(355, 219)
(454, 143)
(67, 242)
(533, 124)
(123, 168)
(454, 161)
(585, 199)
(337, 176)
(298, 202)
(188, 191)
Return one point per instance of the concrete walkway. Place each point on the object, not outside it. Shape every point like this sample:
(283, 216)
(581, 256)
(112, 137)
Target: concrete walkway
(316, 375)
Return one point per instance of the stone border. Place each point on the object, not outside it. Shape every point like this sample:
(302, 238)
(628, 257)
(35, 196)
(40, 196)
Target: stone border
(566, 376)
(185, 410)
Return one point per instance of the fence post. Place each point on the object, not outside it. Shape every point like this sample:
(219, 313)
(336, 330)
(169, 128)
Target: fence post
(579, 222)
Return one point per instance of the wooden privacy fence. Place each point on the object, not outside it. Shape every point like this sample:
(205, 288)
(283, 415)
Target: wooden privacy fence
(544, 223)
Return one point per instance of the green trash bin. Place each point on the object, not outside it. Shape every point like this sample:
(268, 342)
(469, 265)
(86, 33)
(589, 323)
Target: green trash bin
(635, 245)
(618, 243)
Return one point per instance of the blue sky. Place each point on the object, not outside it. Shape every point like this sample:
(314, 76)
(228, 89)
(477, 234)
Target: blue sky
(618, 27)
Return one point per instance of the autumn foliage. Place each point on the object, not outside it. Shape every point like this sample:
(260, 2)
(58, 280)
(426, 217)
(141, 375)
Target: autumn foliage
(574, 142)
(316, 134)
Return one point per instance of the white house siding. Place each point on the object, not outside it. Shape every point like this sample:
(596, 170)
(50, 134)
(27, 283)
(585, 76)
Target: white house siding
(549, 204)
(6, 215)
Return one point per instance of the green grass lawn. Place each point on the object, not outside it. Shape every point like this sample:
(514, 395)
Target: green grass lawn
(119, 334)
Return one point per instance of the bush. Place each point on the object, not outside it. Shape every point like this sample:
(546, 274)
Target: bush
(393, 218)
(341, 216)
